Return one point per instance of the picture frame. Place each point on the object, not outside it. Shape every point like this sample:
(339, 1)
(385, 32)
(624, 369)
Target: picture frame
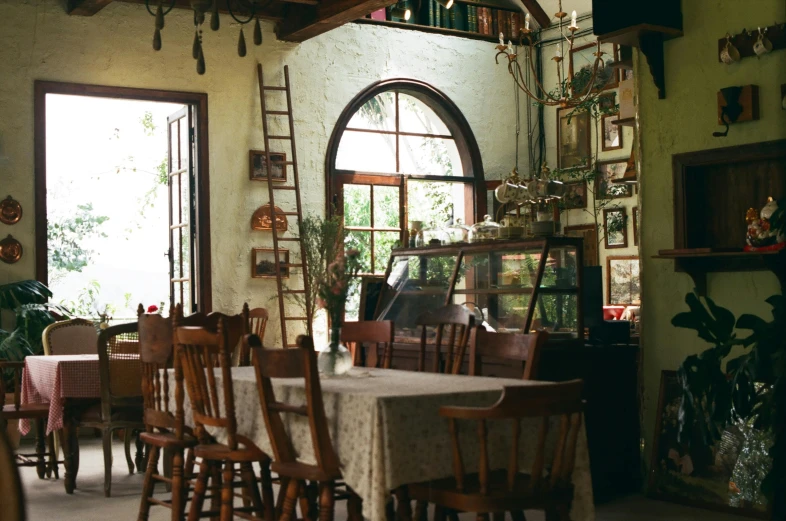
(581, 62)
(589, 233)
(574, 144)
(257, 166)
(612, 134)
(575, 196)
(608, 102)
(635, 225)
(263, 263)
(607, 172)
(615, 228)
(623, 281)
(370, 290)
(707, 485)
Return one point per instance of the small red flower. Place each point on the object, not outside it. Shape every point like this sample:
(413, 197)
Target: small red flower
(152, 308)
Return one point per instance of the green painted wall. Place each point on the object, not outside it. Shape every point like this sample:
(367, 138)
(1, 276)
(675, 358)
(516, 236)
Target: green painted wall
(684, 122)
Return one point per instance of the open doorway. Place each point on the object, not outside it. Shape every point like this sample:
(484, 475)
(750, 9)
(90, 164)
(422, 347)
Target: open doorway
(122, 199)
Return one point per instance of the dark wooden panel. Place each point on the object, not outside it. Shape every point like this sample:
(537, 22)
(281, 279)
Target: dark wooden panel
(86, 7)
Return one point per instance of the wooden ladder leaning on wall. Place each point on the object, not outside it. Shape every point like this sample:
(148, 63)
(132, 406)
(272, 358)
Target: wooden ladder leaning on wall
(284, 293)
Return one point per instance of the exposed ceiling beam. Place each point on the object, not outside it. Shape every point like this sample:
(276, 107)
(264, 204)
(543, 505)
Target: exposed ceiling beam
(302, 22)
(271, 11)
(85, 7)
(537, 12)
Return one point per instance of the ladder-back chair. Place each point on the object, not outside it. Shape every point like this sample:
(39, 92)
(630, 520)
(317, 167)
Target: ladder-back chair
(454, 322)
(512, 347)
(12, 498)
(235, 326)
(372, 335)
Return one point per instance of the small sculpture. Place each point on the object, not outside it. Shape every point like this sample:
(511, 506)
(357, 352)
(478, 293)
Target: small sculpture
(762, 231)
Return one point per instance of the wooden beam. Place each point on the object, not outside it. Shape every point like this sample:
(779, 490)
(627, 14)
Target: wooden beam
(85, 7)
(271, 11)
(302, 22)
(537, 12)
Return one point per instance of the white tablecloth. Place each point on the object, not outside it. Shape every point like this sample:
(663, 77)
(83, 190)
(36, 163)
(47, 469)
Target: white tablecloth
(386, 431)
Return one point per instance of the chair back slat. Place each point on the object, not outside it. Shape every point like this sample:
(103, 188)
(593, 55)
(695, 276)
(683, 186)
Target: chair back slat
(293, 363)
(513, 468)
(70, 337)
(202, 353)
(515, 347)
(156, 352)
(235, 326)
(540, 454)
(483, 467)
(257, 323)
(458, 461)
(120, 368)
(375, 334)
(458, 321)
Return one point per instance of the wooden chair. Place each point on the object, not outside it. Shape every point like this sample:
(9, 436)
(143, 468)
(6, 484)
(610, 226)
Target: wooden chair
(457, 322)
(257, 321)
(203, 352)
(547, 486)
(299, 363)
(514, 347)
(376, 334)
(12, 499)
(235, 326)
(70, 337)
(165, 429)
(121, 404)
(37, 413)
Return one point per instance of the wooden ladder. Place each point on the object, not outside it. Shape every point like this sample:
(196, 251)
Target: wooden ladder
(284, 292)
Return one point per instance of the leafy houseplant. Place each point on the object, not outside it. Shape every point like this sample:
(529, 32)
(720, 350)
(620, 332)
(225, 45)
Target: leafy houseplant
(752, 389)
(28, 299)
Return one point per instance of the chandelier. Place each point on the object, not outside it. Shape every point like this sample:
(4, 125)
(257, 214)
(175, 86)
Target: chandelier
(201, 8)
(566, 94)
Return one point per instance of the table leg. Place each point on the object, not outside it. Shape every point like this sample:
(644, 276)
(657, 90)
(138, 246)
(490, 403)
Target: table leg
(40, 448)
(70, 449)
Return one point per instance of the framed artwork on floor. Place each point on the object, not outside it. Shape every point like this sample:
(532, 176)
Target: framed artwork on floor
(623, 283)
(573, 139)
(257, 166)
(575, 196)
(263, 263)
(612, 134)
(694, 474)
(370, 289)
(615, 228)
(582, 61)
(607, 172)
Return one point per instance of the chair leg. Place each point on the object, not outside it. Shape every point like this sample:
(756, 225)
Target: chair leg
(250, 480)
(227, 494)
(215, 488)
(200, 487)
(107, 436)
(327, 501)
(179, 485)
(266, 483)
(354, 507)
(404, 511)
(289, 500)
(517, 515)
(309, 499)
(421, 511)
(439, 513)
(139, 461)
(40, 448)
(148, 486)
(127, 434)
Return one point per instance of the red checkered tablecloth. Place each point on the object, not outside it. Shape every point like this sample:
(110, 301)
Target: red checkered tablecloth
(54, 378)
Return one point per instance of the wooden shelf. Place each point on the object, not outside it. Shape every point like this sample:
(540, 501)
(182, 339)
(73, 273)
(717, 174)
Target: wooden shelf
(627, 122)
(697, 264)
(623, 64)
(429, 29)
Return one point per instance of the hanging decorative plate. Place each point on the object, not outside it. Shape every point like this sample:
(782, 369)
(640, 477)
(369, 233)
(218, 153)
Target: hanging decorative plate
(10, 250)
(10, 210)
(263, 220)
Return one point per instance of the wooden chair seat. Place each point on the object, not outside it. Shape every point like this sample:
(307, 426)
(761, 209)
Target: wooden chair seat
(220, 452)
(30, 411)
(168, 440)
(298, 470)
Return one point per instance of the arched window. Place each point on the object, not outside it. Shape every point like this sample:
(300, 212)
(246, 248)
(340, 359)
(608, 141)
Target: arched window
(401, 152)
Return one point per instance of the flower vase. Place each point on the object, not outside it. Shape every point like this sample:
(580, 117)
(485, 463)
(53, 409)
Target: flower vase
(335, 359)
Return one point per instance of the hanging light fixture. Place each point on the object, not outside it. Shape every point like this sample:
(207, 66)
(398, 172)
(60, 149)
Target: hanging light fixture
(400, 12)
(201, 8)
(566, 94)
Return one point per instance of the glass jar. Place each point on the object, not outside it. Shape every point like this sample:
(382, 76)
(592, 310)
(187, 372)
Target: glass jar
(433, 236)
(335, 359)
(487, 230)
(457, 233)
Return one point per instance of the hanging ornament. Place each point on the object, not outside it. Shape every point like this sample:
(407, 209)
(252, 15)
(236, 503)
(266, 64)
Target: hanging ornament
(196, 46)
(160, 15)
(201, 62)
(257, 33)
(214, 21)
(241, 44)
(157, 40)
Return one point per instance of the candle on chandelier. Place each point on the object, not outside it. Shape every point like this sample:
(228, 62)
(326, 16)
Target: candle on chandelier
(501, 39)
(574, 21)
(510, 46)
(526, 22)
(558, 53)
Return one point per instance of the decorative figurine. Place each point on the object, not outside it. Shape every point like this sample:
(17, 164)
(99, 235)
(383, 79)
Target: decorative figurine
(763, 228)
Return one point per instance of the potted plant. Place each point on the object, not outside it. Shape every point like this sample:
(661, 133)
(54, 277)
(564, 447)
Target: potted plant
(750, 391)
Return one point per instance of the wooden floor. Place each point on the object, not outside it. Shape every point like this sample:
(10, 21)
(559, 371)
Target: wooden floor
(47, 500)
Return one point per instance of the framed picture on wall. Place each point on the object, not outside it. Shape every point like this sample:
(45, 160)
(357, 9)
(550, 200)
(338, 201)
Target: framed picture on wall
(263, 263)
(623, 284)
(257, 166)
(615, 228)
(612, 134)
(575, 196)
(582, 62)
(698, 476)
(636, 225)
(589, 233)
(608, 171)
(573, 139)
(608, 102)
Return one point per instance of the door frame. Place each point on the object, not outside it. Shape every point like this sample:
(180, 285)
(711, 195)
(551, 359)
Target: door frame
(199, 100)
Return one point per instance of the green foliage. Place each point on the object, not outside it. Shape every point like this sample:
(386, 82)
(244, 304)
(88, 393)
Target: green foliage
(86, 304)
(23, 292)
(752, 387)
(65, 236)
(149, 128)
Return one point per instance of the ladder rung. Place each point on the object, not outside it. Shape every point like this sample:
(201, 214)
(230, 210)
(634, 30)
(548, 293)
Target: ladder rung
(277, 112)
(295, 318)
(285, 213)
(274, 88)
(279, 137)
(282, 163)
(293, 291)
(291, 345)
(284, 187)
(288, 239)
(291, 265)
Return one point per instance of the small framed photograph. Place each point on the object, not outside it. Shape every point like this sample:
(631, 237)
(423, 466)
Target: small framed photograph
(612, 134)
(257, 166)
(608, 102)
(608, 171)
(263, 263)
(582, 62)
(615, 228)
(623, 285)
(636, 225)
(575, 195)
(573, 139)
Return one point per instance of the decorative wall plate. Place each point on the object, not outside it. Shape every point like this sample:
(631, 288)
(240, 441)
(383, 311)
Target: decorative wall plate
(263, 220)
(10, 250)
(10, 210)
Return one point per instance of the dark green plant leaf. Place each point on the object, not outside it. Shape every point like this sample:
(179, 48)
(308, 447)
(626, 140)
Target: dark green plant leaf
(23, 292)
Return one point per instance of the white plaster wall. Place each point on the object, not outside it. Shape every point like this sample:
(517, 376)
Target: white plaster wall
(39, 41)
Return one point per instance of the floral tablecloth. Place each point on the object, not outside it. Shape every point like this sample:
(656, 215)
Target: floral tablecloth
(54, 378)
(387, 433)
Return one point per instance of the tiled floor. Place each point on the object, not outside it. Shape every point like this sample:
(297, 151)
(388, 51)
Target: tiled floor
(47, 500)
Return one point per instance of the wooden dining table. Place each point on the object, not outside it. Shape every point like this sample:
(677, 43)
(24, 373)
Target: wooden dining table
(385, 427)
(69, 383)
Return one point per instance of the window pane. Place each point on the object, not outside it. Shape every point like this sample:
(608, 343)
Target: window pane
(386, 207)
(352, 309)
(357, 205)
(416, 116)
(384, 242)
(435, 202)
(185, 203)
(360, 241)
(176, 252)
(379, 113)
(366, 152)
(430, 156)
